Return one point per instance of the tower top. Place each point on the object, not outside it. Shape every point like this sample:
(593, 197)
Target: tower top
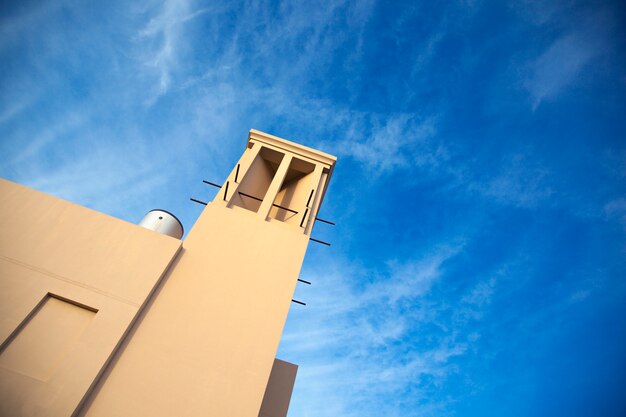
(278, 180)
(292, 147)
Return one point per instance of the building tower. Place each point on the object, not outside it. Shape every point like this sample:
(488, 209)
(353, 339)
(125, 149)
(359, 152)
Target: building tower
(144, 325)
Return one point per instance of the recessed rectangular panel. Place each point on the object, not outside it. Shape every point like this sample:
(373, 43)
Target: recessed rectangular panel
(45, 338)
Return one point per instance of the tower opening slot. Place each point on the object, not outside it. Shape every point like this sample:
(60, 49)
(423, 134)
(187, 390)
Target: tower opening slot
(290, 202)
(257, 180)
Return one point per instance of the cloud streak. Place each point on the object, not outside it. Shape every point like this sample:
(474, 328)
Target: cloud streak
(355, 341)
(561, 64)
(460, 236)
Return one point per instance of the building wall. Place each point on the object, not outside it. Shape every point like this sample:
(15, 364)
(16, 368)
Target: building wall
(71, 282)
(99, 317)
(207, 342)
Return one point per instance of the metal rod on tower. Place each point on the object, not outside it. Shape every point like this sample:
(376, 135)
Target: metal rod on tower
(260, 199)
(325, 221)
(226, 191)
(320, 241)
(198, 201)
(212, 183)
(304, 217)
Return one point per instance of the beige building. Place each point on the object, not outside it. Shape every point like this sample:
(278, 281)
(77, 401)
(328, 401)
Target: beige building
(100, 317)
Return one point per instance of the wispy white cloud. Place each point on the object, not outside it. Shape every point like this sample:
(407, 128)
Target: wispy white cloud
(204, 75)
(35, 146)
(579, 296)
(355, 340)
(99, 177)
(540, 12)
(163, 32)
(13, 25)
(563, 62)
(392, 143)
(14, 109)
(616, 209)
(519, 181)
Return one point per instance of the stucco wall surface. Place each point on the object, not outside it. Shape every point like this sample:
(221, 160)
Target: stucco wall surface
(64, 265)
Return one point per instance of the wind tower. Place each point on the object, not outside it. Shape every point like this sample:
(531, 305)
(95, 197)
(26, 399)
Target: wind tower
(206, 341)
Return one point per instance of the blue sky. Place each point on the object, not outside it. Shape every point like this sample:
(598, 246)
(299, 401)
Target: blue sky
(478, 265)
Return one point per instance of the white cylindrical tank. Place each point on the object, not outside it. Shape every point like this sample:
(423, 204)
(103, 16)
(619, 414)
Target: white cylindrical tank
(164, 222)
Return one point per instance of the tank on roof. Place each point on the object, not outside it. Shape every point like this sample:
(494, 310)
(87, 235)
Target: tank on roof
(164, 222)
